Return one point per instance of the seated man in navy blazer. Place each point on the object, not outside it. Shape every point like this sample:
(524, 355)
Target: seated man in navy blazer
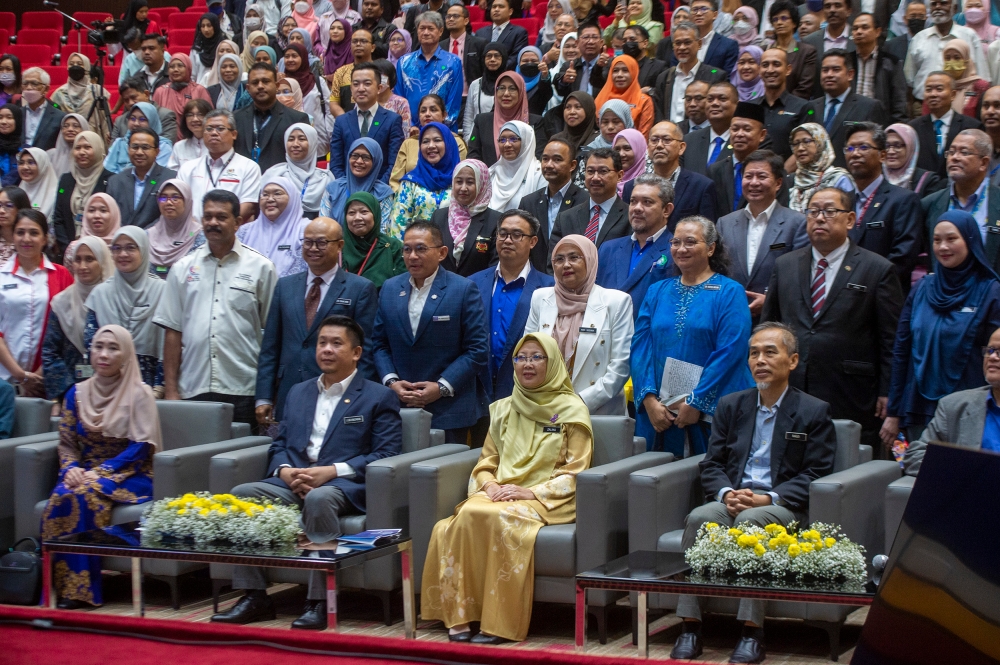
(430, 338)
(337, 425)
(300, 302)
(506, 290)
(768, 444)
(634, 263)
(367, 119)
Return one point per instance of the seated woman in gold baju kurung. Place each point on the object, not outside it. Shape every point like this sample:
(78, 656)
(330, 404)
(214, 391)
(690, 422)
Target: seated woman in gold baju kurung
(480, 562)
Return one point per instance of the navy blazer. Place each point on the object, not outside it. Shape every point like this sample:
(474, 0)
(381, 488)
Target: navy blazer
(288, 350)
(365, 427)
(699, 146)
(722, 52)
(49, 127)
(694, 194)
(614, 257)
(386, 129)
(451, 344)
(514, 37)
(502, 385)
(892, 227)
(786, 230)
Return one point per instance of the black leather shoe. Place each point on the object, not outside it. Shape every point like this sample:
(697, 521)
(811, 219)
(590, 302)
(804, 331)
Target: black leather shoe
(69, 604)
(254, 606)
(314, 618)
(687, 646)
(748, 650)
(483, 638)
(464, 636)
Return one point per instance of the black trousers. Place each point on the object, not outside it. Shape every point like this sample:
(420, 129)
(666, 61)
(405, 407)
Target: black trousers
(243, 407)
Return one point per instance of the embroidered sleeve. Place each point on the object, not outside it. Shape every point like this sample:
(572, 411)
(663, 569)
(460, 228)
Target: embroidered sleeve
(575, 456)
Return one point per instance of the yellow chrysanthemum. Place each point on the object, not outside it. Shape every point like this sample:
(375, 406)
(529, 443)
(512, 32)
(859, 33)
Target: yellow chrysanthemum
(735, 533)
(203, 511)
(182, 511)
(711, 525)
(806, 547)
(830, 542)
(759, 549)
(747, 540)
(794, 551)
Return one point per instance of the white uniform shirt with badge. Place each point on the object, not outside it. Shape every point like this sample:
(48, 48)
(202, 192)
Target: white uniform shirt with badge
(24, 301)
(220, 307)
(232, 172)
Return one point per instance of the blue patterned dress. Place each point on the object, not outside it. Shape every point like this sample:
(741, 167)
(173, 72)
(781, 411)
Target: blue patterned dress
(413, 203)
(707, 325)
(126, 476)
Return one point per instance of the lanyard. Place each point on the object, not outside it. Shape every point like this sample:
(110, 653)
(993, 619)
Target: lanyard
(361, 268)
(256, 130)
(955, 203)
(305, 185)
(864, 209)
(208, 167)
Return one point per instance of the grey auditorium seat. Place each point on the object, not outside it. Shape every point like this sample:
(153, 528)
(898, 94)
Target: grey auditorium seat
(31, 425)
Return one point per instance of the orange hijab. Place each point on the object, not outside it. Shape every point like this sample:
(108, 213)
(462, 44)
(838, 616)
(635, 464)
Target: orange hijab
(632, 95)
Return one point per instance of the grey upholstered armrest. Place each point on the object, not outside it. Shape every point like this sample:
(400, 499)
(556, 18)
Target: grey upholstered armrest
(54, 423)
(436, 487)
(854, 499)
(227, 470)
(865, 454)
(638, 445)
(437, 437)
(7, 486)
(659, 499)
(602, 508)
(896, 496)
(32, 415)
(239, 430)
(36, 469)
(186, 469)
(387, 485)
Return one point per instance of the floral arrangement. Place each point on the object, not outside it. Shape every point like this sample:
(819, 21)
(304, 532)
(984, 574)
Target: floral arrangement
(822, 552)
(206, 518)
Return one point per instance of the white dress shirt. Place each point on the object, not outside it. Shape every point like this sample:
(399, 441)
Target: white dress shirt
(681, 82)
(604, 209)
(711, 142)
(326, 404)
(834, 260)
(415, 308)
(498, 30)
(945, 127)
(371, 119)
(232, 172)
(755, 231)
(831, 42)
(706, 41)
(926, 54)
(32, 119)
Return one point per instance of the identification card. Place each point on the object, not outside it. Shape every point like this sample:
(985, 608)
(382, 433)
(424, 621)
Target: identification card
(8, 287)
(589, 330)
(344, 301)
(353, 420)
(713, 287)
(857, 287)
(84, 372)
(441, 318)
(284, 248)
(875, 225)
(551, 430)
(796, 436)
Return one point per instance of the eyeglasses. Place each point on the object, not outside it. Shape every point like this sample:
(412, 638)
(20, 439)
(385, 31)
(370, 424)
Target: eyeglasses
(700, 10)
(516, 236)
(598, 172)
(142, 147)
(953, 152)
(273, 196)
(8, 206)
(562, 259)
(506, 88)
(895, 146)
(686, 243)
(419, 250)
(124, 249)
(217, 129)
(365, 159)
(32, 85)
(780, 18)
(508, 140)
(698, 99)
(796, 144)
(194, 116)
(360, 42)
(589, 38)
(988, 351)
(534, 360)
(851, 149)
(828, 213)
(171, 198)
(657, 140)
(319, 243)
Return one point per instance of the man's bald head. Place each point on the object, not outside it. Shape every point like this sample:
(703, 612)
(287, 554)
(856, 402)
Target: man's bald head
(321, 244)
(326, 226)
(666, 145)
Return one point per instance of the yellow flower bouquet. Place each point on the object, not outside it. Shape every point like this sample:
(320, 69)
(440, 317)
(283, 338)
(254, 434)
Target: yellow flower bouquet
(206, 518)
(822, 552)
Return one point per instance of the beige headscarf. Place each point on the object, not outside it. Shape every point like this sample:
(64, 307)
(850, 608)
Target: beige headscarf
(42, 190)
(61, 156)
(69, 304)
(87, 179)
(969, 77)
(121, 407)
(572, 304)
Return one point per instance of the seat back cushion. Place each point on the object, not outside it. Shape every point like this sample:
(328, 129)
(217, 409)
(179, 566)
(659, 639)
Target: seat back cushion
(187, 424)
(848, 444)
(31, 416)
(612, 438)
(416, 429)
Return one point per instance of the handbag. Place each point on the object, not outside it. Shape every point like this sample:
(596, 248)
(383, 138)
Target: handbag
(21, 575)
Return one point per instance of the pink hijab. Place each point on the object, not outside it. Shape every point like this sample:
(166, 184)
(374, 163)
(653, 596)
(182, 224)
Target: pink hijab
(460, 216)
(571, 305)
(307, 21)
(638, 143)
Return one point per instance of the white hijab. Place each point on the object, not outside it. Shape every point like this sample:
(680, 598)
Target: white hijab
(69, 304)
(512, 179)
(43, 189)
(61, 156)
(130, 299)
(310, 181)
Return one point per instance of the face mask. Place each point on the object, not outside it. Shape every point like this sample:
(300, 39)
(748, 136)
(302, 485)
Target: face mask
(742, 27)
(975, 16)
(253, 23)
(76, 72)
(32, 96)
(618, 52)
(814, 5)
(632, 49)
(915, 25)
(954, 67)
(301, 7)
(216, 9)
(7, 78)
(529, 71)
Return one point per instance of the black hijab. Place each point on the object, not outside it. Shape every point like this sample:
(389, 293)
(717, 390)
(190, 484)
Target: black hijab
(11, 143)
(205, 46)
(583, 133)
(489, 82)
(131, 21)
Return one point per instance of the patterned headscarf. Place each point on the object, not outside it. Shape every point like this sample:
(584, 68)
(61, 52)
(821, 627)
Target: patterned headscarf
(459, 216)
(812, 177)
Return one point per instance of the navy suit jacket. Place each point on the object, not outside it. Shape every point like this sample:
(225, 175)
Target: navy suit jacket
(655, 265)
(365, 427)
(502, 385)
(288, 350)
(386, 129)
(514, 37)
(892, 227)
(451, 343)
(694, 194)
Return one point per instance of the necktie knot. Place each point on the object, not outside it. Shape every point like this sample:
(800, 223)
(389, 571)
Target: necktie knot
(823, 264)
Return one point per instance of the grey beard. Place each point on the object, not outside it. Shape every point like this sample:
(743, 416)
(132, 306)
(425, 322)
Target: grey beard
(763, 385)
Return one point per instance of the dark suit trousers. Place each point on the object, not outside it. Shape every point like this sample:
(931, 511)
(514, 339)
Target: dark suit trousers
(321, 511)
(243, 407)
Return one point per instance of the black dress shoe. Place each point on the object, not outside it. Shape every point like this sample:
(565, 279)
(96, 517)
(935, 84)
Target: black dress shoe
(687, 646)
(464, 636)
(69, 604)
(254, 606)
(483, 638)
(314, 618)
(748, 650)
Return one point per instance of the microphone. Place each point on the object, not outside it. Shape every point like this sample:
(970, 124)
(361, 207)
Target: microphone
(49, 3)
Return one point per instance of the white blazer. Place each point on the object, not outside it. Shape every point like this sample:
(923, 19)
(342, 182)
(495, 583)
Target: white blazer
(601, 367)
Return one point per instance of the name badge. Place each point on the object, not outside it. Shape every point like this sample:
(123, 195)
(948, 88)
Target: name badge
(284, 248)
(245, 277)
(713, 287)
(967, 310)
(8, 287)
(177, 243)
(84, 372)
(857, 287)
(551, 430)
(589, 330)
(353, 420)
(161, 270)
(875, 225)
(778, 245)
(441, 318)
(993, 229)
(796, 436)
(343, 301)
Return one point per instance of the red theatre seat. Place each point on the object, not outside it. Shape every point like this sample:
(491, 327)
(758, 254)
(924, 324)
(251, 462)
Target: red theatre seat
(39, 36)
(4, 38)
(183, 21)
(529, 24)
(85, 48)
(605, 21)
(667, 16)
(42, 21)
(8, 22)
(31, 55)
(58, 76)
(476, 13)
(476, 25)
(180, 40)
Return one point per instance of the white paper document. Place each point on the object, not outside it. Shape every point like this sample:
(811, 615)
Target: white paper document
(679, 381)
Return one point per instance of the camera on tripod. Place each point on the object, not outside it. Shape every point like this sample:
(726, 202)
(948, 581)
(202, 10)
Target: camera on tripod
(105, 33)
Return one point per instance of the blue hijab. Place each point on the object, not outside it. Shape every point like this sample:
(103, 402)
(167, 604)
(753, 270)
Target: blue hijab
(270, 52)
(341, 189)
(944, 328)
(436, 177)
(117, 159)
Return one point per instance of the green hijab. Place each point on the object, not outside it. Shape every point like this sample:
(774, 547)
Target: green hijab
(376, 256)
(528, 453)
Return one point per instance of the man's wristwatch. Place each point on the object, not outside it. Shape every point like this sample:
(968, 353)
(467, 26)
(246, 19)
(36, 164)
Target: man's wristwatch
(388, 384)
(445, 390)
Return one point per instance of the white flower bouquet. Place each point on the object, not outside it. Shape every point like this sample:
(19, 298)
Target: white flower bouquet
(821, 553)
(206, 518)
